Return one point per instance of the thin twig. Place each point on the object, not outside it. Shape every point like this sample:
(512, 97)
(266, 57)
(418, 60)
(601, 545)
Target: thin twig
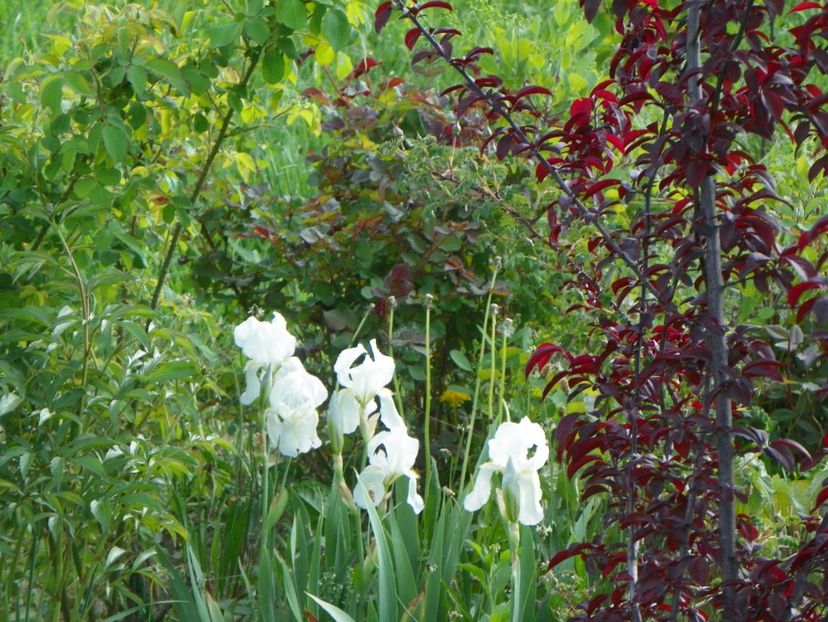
(202, 178)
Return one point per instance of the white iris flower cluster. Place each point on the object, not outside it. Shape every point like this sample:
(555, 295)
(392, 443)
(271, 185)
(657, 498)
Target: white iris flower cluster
(391, 452)
(294, 395)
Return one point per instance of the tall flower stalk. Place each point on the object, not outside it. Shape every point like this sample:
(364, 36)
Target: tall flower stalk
(427, 414)
(482, 353)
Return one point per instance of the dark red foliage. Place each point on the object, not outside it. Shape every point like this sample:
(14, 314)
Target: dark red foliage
(649, 443)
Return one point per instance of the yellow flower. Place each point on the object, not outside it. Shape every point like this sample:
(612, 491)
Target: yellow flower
(454, 398)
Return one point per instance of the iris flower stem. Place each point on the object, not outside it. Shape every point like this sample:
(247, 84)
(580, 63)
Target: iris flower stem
(427, 408)
(481, 355)
(265, 482)
(502, 388)
(492, 367)
(397, 397)
(514, 545)
(358, 330)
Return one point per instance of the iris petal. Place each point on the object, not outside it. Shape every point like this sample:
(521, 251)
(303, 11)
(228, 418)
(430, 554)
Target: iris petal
(482, 488)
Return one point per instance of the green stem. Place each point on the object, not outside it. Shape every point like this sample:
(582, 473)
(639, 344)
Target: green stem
(84, 296)
(514, 545)
(359, 329)
(265, 481)
(482, 353)
(493, 336)
(507, 324)
(392, 303)
(427, 413)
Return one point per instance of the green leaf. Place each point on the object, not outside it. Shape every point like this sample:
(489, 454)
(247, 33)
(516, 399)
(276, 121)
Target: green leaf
(256, 30)
(385, 567)
(200, 123)
(78, 83)
(84, 186)
(223, 35)
(290, 590)
(288, 47)
(267, 586)
(170, 71)
(273, 66)
(527, 592)
(291, 13)
(137, 76)
(115, 141)
(174, 370)
(336, 28)
(461, 360)
(51, 92)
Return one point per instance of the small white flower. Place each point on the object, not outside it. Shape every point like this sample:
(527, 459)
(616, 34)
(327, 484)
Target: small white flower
(267, 345)
(292, 417)
(509, 455)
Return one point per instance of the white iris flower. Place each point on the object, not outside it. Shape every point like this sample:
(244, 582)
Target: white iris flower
(354, 404)
(292, 417)
(267, 345)
(509, 454)
(391, 454)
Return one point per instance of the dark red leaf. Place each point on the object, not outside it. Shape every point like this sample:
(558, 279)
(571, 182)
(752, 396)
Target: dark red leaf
(381, 16)
(580, 111)
(531, 90)
(581, 462)
(504, 147)
(411, 37)
(804, 6)
(451, 89)
(795, 293)
(364, 66)
(764, 369)
(564, 429)
(782, 455)
(436, 4)
(598, 186)
(803, 310)
(562, 556)
(591, 9)
(551, 384)
(540, 357)
(791, 444)
(817, 167)
(478, 51)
